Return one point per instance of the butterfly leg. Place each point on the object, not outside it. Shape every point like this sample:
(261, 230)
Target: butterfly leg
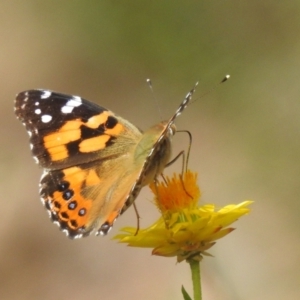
(180, 154)
(138, 217)
(185, 160)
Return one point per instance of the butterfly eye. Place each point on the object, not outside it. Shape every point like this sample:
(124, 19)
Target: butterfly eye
(172, 129)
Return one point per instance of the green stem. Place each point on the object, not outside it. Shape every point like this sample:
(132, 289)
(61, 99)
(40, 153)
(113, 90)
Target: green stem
(196, 278)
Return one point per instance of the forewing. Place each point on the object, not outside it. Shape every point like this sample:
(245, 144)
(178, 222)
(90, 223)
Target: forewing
(66, 130)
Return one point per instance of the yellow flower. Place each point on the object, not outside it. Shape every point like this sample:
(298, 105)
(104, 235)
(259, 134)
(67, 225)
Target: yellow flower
(185, 229)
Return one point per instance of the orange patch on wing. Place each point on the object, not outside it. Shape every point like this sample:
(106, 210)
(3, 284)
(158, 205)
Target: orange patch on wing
(55, 142)
(94, 144)
(115, 131)
(92, 178)
(61, 138)
(58, 153)
(95, 121)
(75, 176)
(71, 125)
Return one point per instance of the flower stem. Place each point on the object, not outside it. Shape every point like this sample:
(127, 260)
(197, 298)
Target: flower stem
(195, 269)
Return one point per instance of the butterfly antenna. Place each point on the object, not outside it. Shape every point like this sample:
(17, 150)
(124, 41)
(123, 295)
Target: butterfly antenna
(155, 99)
(226, 78)
(186, 101)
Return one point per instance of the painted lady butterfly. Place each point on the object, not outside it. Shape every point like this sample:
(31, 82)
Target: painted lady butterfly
(95, 162)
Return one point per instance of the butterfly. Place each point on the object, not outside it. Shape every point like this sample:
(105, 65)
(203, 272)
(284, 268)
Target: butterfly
(95, 162)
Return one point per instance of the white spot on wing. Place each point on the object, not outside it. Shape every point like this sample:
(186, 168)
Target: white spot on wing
(38, 111)
(46, 94)
(66, 109)
(77, 99)
(36, 159)
(74, 102)
(37, 103)
(46, 118)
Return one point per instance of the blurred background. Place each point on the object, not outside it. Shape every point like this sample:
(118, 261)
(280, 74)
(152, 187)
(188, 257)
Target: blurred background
(245, 139)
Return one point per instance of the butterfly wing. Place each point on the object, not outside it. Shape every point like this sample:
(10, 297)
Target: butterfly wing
(92, 195)
(85, 150)
(67, 130)
(81, 198)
